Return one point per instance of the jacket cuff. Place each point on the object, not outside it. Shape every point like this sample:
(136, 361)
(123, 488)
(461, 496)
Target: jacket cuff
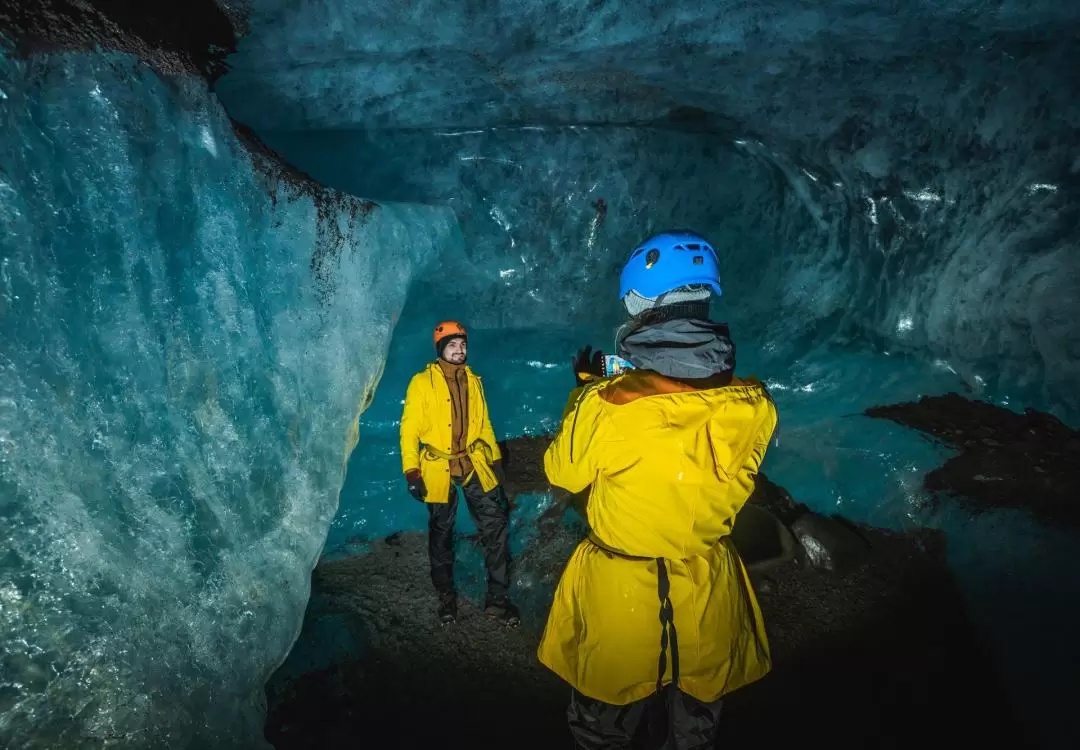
(412, 474)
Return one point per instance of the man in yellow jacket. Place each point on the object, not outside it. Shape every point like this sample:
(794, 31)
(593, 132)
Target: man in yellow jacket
(447, 442)
(654, 619)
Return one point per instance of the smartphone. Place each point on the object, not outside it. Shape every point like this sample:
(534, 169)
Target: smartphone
(613, 365)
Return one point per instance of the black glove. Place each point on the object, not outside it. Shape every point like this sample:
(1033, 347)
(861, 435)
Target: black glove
(500, 472)
(416, 485)
(592, 364)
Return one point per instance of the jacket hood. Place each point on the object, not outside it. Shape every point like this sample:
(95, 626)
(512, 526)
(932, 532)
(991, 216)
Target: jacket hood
(682, 348)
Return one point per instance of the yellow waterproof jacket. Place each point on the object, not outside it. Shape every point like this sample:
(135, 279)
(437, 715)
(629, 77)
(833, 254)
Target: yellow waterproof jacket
(669, 467)
(426, 439)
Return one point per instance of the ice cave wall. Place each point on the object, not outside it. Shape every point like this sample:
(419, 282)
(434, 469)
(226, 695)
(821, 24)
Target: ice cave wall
(188, 334)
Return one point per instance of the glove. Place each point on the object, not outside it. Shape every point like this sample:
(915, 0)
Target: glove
(588, 364)
(500, 472)
(416, 485)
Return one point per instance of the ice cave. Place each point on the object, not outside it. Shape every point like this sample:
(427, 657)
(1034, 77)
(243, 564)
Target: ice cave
(228, 226)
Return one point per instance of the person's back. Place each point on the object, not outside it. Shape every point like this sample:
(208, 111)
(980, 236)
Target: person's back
(670, 460)
(669, 451)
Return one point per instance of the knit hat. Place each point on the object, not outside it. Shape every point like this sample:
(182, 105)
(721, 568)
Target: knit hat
(683, 302)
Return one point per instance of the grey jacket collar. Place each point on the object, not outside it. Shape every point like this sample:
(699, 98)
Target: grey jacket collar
(683, 348)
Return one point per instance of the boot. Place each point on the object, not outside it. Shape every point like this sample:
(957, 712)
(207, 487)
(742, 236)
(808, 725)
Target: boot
(499, 609)
(448, 608)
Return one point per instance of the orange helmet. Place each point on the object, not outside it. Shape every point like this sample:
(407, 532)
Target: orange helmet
(449, 328)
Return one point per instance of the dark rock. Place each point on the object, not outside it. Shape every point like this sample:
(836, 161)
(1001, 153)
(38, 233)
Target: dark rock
(829, 543)
(523, 461)
(880, 636)
(764, 586)
(878, 655)
(191, 38)
(778, 501)
(473, 683)
(762, 541)
(1006, 460)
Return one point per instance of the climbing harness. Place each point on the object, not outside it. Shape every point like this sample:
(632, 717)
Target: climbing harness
(434, 453)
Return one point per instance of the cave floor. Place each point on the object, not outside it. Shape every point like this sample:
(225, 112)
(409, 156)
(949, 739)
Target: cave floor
(879, 654)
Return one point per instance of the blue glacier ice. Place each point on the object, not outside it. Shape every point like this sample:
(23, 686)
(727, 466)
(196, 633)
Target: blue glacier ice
(185, 347)
(925, 204)
(894, 191)
(188, 337)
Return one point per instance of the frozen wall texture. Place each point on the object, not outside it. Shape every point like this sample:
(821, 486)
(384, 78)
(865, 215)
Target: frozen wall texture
(928, 172)
(894, 189)
(188, 333)
(187, 338)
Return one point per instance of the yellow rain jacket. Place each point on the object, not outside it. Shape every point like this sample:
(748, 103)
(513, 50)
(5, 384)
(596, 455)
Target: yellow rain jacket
(426, 438)
(669, 467)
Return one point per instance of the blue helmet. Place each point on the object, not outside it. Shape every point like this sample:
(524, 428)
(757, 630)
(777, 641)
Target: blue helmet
(668, 261)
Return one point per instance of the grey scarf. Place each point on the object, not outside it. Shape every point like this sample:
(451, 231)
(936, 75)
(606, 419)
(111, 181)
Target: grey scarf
(682, 348)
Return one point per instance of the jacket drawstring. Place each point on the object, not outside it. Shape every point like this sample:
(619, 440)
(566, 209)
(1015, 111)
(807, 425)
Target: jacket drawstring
(667, 627)
(668, 635)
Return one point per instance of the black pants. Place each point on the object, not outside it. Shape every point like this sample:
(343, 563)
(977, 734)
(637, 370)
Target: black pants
(671, 720)
(490, 511)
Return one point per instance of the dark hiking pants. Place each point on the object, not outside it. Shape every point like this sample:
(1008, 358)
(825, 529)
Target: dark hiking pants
(670, 720)
(490, 511)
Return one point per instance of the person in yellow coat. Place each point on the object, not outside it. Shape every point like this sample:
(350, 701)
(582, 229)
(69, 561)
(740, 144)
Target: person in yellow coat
(447, 442)
(654, 619)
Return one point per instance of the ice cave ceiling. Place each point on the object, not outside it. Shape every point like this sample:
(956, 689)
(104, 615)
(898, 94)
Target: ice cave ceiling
(886, 83)
(909, 170)
(938, 138)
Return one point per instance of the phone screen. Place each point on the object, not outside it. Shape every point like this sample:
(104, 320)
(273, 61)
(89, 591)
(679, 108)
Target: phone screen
(613, 365)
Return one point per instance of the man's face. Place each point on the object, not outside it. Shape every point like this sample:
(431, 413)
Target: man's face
(455, 351)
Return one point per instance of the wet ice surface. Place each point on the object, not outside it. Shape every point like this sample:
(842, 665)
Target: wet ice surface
(894, 197)
(177, 396)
